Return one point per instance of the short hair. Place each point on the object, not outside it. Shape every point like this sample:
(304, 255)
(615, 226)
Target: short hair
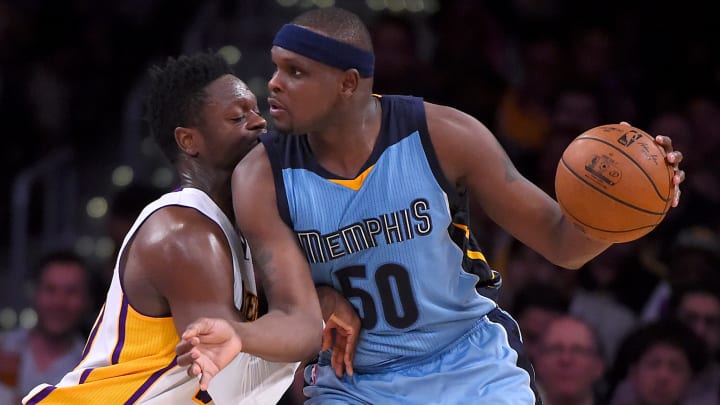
(665, 331)
(597, 342)
(60, 256)
(680, 291)
(177, 95)
(540, 295)
(338, 24)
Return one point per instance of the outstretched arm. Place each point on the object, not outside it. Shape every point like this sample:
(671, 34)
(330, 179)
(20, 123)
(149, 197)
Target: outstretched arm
(209, 344)
(472, 159)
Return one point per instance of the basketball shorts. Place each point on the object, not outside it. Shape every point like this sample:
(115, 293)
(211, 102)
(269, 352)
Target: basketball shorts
(485, 366)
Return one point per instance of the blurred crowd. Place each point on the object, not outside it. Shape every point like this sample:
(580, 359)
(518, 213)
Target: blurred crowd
(639, 324)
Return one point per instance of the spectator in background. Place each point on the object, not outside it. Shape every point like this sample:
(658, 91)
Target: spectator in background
(694, 257)
(698, 306)
(657, 363)
(125, 207)
(54, 345)
(7, 396)
(569, 363)
(534, 308)
(488, 66)
(525, 108)
(574, 111)
(694, 129)
(594, 59)
(397, 63)
(520, 266)
(595, 302)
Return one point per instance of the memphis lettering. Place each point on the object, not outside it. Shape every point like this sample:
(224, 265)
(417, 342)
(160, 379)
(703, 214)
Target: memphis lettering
(392, 227)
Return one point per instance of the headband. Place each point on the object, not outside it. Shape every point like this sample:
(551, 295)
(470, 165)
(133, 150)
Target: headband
(324, 49)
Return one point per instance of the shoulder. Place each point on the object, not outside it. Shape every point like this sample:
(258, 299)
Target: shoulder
(456, 130)
(175, 230)
(253, 170)
(442, 118)
(257, 158)
(457, 138)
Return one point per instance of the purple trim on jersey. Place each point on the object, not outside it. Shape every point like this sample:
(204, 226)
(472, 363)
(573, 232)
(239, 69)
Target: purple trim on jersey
(85, 374)
(150, 381)
(40, 395)
(121, 331)
(91, 339)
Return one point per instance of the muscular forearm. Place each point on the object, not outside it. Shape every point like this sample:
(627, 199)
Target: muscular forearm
(327, 296)
(282, 336)
(572, 247)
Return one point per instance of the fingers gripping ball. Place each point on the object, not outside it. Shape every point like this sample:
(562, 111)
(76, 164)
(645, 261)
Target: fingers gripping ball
(614, 183)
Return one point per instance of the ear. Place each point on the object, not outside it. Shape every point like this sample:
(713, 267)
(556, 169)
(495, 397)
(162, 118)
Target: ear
(349, 83)
(187, 140)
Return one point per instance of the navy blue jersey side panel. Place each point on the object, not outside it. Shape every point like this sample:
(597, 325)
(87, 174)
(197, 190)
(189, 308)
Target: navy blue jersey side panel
(460, 232)
(431, 155)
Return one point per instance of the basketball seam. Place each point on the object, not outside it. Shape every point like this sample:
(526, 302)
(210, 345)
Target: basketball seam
(607, 230)
(652, 182)
(606, 194)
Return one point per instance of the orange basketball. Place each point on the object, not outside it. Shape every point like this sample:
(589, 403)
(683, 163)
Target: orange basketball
(614, 183)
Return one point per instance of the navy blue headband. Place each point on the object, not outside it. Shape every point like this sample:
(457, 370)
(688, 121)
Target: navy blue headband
(324, 49)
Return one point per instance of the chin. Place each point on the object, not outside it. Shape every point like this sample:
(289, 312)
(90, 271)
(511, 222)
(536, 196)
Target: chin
(283, 131)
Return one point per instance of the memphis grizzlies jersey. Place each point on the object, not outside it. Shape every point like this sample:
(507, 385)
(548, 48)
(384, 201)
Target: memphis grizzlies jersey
(395, 240)
(129, 357)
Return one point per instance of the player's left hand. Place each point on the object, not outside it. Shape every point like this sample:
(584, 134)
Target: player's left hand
(207, 346)
(673, 157)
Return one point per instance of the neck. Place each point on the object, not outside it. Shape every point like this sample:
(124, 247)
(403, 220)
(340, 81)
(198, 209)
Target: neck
(344, 145)
(215, 183)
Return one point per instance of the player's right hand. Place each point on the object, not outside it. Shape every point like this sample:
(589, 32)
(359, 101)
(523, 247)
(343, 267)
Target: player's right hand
(342, 329)
(207, 346)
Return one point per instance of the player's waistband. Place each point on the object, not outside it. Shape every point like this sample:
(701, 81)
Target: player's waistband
(404, 362)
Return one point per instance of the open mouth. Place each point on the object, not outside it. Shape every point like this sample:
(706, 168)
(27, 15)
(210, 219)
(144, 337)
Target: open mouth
(275, 106)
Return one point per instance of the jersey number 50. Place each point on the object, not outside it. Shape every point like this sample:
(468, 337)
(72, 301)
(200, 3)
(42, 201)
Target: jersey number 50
(384, 276)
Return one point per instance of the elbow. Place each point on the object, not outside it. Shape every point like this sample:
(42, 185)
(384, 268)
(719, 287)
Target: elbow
(315, 336)
(309, 334)
(573, 259)
(571, 265)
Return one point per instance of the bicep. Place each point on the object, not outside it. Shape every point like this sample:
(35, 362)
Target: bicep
(472, 158)
(196, 276)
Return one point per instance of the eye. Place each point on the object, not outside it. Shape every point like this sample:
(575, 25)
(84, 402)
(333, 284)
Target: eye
(295, 72)
(239, 119)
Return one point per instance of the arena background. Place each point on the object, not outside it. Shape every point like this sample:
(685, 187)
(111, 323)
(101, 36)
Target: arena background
(536, 72)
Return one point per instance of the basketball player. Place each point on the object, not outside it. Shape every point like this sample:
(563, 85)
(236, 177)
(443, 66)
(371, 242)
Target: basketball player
(373, 192)
(182, 260)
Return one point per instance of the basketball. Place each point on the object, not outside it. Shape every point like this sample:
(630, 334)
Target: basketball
(614, 183)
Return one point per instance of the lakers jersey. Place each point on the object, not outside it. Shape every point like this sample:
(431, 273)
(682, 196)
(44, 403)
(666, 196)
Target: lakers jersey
(395, 240)
(129, 357)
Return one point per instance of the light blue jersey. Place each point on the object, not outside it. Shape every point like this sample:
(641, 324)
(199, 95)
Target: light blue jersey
(395, 240)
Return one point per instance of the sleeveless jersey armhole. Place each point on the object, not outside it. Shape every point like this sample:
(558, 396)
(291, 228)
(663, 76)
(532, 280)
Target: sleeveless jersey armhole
(431, 155)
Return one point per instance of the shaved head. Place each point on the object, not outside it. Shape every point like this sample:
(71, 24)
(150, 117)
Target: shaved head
(338, 24)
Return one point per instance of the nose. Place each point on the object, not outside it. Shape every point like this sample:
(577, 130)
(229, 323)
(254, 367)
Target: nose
(256, 121)
(274, 82)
